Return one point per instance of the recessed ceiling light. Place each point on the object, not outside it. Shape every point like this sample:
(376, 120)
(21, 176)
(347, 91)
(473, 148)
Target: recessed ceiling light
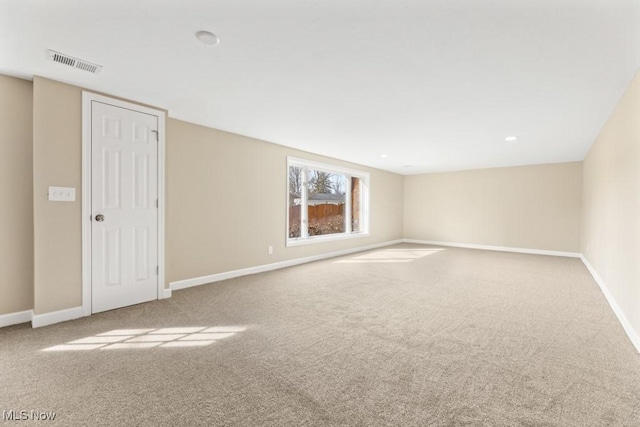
(511, 138)
(407, 166)
(384, 156)
(207, 37)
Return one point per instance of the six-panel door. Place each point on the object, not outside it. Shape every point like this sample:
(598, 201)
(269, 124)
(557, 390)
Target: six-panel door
(124, 185)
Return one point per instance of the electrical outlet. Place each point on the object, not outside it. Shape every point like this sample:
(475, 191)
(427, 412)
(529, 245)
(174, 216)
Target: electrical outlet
(62, 194)
(270, 250)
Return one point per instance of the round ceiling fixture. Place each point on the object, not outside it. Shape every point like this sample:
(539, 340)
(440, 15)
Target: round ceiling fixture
(207, 37)
(384, 156)
(511, 138)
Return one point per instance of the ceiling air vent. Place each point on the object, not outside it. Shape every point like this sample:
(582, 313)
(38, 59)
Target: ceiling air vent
(70, 61)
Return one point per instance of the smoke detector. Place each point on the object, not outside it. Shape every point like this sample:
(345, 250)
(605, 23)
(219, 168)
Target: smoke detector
(207, 37)
(70, 61)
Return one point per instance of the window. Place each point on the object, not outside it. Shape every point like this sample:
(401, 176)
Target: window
(325, 202)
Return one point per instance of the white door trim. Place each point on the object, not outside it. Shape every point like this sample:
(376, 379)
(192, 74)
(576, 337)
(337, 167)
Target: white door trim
(87, 99)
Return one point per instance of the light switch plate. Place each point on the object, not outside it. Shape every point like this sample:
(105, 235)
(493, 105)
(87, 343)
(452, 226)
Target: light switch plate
(62, 194)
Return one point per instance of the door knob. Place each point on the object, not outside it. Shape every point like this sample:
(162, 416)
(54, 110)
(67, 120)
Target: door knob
(99, 217)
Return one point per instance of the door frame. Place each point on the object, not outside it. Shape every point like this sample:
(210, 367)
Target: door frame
(87, 99)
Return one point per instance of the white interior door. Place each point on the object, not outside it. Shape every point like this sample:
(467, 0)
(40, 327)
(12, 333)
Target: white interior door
(124, 207)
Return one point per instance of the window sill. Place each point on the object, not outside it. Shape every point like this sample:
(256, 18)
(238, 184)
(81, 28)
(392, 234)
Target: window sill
(323, 239)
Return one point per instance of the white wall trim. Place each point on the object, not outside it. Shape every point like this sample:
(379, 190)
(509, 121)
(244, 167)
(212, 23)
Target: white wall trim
(56, 317)
(86, 204)
(87, 99)
(15, 318)
(494, 248)
(166, 293)
(324, 238)
(633, 335)
(197, 281)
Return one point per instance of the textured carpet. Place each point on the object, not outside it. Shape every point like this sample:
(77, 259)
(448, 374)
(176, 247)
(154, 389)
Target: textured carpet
(405, 335)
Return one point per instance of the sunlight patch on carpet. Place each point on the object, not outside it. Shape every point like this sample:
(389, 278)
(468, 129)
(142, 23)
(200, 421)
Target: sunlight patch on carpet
(198, 336)
(390, 256)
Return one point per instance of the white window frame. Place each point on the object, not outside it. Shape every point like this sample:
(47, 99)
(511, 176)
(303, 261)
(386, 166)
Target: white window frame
(304, 238)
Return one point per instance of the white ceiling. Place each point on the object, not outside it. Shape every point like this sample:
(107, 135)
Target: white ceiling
(434, 84)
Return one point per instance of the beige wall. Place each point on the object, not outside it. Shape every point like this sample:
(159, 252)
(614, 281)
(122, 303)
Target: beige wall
(57, 151)
(16, 210)
(531, 207)
(611, 220)
(227, 203)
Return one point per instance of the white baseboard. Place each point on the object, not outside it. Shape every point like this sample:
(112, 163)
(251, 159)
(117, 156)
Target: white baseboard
(39, 320)
(56, 317)
(631, 332)
(197, 281)
(494, 248)
(15, 318)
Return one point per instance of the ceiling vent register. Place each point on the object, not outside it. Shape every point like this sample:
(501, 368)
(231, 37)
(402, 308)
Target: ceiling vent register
(70, 61)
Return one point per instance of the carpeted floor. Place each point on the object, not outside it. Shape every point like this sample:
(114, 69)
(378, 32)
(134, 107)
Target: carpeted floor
(405, 335)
